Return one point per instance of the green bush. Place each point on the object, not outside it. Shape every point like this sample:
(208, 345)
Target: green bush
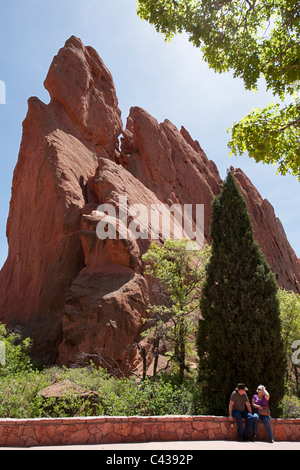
(17, 359)
(290, 407)
(159, 397)
(19, 396)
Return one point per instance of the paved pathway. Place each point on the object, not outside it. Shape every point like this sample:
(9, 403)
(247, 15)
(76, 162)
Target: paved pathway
(178, 446)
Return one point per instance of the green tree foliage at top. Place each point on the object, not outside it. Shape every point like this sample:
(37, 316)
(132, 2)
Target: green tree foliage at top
(254, 39)
(239, 339)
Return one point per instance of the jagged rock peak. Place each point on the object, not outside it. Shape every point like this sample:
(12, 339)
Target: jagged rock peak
(80, 82)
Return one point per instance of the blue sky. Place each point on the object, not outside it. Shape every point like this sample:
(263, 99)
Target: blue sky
(169, 80)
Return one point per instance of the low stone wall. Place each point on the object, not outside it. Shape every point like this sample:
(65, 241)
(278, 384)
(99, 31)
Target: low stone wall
(111, 430)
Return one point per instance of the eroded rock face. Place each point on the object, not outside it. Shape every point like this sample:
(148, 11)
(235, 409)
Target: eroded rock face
(58, 155)
(45, 252)
(270, 234)
(103, 314)
(169, 162)
(71, 290)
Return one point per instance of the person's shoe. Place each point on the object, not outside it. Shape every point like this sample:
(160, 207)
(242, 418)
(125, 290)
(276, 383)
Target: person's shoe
(248, 438)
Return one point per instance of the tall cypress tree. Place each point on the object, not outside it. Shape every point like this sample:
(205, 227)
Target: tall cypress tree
(239, 338)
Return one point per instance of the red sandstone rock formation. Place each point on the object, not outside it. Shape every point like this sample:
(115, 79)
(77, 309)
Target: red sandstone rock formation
(270, 234)
(72, 291)
(58, 156)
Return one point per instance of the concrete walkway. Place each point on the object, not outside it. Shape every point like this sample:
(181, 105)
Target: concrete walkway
(177, 446)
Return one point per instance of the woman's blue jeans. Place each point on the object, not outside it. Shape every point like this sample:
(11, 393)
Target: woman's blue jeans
(266, 421)
(250, 421)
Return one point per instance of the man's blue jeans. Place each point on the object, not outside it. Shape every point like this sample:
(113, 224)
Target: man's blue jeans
(250, 420)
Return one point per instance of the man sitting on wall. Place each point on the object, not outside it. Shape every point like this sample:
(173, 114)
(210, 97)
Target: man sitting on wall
(238, 402)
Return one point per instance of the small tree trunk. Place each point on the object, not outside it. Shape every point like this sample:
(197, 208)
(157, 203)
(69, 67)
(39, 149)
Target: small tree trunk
(143, 353)
(156, 355)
